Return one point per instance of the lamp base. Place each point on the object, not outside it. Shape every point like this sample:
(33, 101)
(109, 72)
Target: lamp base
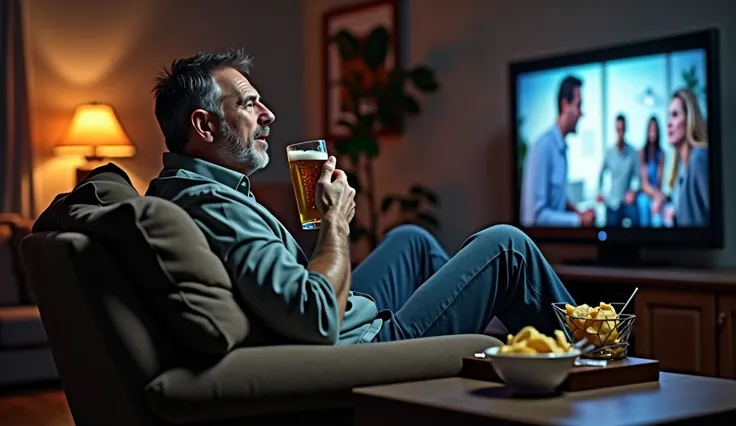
(92, 163)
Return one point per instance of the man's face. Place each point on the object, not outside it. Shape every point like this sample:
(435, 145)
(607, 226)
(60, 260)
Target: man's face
(572, 110)
(241, 141)
(620, 129)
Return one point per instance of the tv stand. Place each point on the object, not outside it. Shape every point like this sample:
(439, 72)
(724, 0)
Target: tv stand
(618, 256)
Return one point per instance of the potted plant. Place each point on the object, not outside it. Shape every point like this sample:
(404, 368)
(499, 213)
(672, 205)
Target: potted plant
(378, 101)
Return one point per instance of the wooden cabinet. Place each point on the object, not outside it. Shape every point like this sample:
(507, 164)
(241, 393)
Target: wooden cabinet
(726, 322)
(686, 319)
(678, 329)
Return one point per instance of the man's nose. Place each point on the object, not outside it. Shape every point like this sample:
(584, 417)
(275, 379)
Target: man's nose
(267, 117)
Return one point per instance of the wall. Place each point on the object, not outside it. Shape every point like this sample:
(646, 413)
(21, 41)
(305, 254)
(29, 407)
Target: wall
(459, 144)
(85, 50)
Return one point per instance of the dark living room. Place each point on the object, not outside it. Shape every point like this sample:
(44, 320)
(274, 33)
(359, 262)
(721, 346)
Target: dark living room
(434, 113)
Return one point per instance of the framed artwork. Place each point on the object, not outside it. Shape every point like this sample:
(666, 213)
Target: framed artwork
(359, 20)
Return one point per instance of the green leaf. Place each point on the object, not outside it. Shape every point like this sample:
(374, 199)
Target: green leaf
(387, 113)
(418, 191)
(411, 105)
(387, 202)
(357, 232)
(427, 219)
(409, 205)
(423, 79)
(357, 146)
(376, 48)
(353, 181)
(347, 45)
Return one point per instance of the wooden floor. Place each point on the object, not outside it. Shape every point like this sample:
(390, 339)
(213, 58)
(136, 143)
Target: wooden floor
(34, 407)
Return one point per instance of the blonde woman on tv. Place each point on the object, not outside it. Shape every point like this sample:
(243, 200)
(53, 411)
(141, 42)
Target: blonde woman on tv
(690, 179)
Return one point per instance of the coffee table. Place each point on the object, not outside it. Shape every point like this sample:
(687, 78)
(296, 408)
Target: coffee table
(675, 399)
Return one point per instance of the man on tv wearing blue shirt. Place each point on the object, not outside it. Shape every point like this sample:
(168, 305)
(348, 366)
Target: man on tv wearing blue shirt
(544, 201)
(216, 127)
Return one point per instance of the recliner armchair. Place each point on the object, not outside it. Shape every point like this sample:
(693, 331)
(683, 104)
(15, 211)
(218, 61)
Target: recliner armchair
(120, 364)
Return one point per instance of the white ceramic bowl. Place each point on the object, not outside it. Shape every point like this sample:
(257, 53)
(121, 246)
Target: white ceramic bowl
(532, 374)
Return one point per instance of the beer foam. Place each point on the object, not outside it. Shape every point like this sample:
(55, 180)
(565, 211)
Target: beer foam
(307, 155)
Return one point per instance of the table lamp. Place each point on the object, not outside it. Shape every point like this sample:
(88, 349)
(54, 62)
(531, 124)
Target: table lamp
(95, 133)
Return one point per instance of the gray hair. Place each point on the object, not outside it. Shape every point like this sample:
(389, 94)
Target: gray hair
(189, 84)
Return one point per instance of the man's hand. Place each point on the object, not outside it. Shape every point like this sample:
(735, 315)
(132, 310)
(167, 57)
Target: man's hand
(587, 218)
(334, 195)
(657, 203)
(335, 201)
(669, 214)
(629, 197)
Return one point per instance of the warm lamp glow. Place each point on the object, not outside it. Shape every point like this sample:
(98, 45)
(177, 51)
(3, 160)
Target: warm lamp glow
(95, 133)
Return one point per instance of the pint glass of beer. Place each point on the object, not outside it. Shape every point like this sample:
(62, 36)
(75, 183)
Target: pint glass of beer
(305, 166)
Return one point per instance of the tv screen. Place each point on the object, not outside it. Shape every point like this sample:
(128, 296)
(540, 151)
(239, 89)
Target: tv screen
(620, 144)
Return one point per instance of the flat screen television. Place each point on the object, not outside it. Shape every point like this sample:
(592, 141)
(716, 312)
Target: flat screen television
(620, 146)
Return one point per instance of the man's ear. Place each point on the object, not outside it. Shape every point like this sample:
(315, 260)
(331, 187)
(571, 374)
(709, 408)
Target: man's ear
(204, 125)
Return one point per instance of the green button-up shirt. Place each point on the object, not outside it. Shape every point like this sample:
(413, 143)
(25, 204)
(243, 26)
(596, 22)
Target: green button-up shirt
(264, 261)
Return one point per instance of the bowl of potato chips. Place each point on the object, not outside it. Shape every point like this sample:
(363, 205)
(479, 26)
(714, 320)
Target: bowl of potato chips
(533, 363)
(602, 326)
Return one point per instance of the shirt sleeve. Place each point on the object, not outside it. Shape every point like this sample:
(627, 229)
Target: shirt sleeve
(293, 301)
(540, 171)
(701, 180)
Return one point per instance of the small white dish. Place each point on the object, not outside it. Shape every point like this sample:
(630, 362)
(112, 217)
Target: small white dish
(532, 374)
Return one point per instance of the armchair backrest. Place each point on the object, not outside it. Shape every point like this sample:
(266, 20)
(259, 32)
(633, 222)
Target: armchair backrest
(105, 345)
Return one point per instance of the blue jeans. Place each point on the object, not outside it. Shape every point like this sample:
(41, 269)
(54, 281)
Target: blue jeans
(615, 217)
(646, 217)
(498, 272)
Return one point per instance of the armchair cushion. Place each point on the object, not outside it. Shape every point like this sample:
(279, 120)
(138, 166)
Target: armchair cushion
(253, 381)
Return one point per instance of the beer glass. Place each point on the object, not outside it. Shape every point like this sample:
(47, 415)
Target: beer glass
(305, 166)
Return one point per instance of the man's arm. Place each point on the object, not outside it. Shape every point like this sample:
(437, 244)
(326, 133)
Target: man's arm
(331, 257)
(296, 302)
(539, 169)
(699, 167)
(604, 167)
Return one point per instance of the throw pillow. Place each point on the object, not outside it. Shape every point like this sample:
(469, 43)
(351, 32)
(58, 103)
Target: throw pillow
(103, 186)
(166, 256)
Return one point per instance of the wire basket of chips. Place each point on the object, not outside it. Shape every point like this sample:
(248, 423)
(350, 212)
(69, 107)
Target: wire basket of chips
(602, 326)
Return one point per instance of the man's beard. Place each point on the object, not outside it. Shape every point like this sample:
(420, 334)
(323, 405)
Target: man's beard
(241, 154)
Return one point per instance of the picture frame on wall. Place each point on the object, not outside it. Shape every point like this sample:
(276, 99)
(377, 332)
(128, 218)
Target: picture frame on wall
(360, 20)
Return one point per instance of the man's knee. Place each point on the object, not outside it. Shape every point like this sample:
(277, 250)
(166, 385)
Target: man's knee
(502, 234)
(411, 233)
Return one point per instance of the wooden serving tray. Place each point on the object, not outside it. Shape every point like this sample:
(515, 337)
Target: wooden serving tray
(627, 371)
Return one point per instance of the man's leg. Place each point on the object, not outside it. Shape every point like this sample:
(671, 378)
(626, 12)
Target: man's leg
(498, 272)
(613, 217)
(644, 205)
(406, 257)
(630, 211)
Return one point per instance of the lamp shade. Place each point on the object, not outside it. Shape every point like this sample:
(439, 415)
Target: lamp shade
(95, 132)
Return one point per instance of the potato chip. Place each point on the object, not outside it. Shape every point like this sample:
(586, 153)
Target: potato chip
(530, 341)
(598, 324)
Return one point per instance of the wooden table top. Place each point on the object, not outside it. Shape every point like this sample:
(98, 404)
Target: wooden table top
(675, 397)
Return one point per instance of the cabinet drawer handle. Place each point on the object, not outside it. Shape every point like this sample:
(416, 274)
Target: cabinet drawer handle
(722, 319)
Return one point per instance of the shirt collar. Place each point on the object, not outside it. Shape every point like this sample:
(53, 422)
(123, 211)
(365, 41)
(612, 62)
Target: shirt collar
(225, 176)
(560, 139)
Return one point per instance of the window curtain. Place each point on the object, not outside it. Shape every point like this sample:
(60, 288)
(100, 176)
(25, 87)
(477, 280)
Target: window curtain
(16, 163)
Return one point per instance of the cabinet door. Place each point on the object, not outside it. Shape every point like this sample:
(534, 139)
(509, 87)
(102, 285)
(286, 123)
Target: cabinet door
(677, 328)
(727, 336)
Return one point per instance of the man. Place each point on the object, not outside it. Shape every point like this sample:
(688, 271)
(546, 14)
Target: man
(544, 199)
(216, 127)
(622, 161)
